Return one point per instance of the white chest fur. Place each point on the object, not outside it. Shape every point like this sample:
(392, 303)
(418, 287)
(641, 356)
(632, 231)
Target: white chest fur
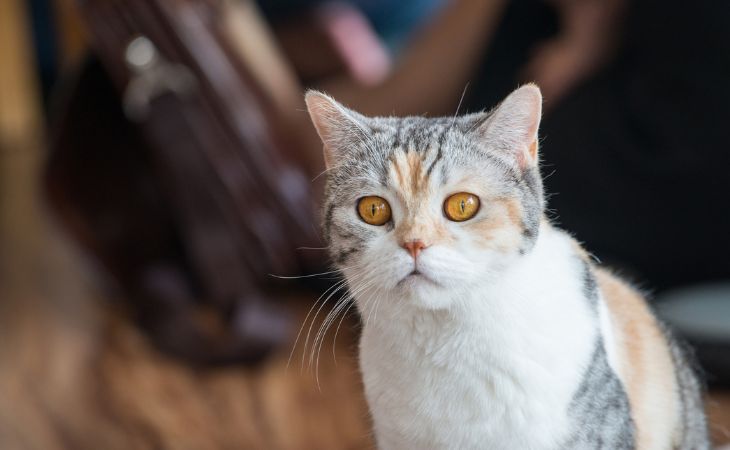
(498, 373)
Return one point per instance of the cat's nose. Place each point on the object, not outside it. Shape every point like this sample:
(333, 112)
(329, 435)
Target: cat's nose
(414, 247)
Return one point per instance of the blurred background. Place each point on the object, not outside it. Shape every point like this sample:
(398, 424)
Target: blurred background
(159, 181)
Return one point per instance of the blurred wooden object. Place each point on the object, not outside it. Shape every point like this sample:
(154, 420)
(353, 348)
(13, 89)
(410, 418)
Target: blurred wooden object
(251, 39)
(21, 130)
(718, 409)
(72, 37)
(19, 99)
(173, 164)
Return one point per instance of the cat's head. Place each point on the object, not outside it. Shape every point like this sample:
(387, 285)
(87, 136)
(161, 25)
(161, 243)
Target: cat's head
(430, 208)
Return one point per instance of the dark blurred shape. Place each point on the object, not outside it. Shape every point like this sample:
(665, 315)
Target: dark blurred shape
(636, 153)
(523, 26)
(192, 207)
(44, 41)
(640, 151)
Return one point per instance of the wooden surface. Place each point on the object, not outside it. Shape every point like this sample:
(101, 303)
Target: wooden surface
(75, 375)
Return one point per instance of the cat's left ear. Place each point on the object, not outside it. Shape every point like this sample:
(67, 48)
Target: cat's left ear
(338, 127)
(513, 125)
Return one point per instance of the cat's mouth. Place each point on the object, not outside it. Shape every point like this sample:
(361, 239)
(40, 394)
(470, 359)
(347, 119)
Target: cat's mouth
(416, 276)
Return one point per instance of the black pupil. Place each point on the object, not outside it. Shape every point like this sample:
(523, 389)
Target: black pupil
(463, 205)
(372, 209)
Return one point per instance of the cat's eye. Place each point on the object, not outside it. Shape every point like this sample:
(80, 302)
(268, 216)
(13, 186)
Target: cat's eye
(462, 206)
(374, 210)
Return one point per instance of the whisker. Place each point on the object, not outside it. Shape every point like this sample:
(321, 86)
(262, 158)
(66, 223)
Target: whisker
(297, 277)
(375, 317)
(364, 284)
(304, 323)
(453, 121)
(309, 332)
(325, 171)
(339, 285)
(358, 284)
(370, 307)
(329, 272)
(342, 303)
(344, 315)
(334, 339)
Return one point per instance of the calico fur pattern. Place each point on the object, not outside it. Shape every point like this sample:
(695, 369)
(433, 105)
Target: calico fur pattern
(503, 333)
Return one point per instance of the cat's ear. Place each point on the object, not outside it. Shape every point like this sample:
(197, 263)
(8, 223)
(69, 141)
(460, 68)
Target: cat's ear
(337, 126)
(513, 125)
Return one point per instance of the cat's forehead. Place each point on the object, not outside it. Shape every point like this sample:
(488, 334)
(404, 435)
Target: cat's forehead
(418, 134)
(398, 151)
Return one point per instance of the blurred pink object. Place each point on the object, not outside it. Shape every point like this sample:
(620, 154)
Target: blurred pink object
(364, 55)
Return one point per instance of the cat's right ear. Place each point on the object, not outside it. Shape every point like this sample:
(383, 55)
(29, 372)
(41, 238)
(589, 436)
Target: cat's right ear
(512, 126)
(337, 126)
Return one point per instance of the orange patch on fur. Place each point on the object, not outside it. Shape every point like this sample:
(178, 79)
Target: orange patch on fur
(428, 232)
(408, 173)
(418, 177)
(502, 229)
(413, 190)
(645, 363)
(514, 210)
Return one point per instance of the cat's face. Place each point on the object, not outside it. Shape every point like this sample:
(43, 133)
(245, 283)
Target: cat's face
(427, 209)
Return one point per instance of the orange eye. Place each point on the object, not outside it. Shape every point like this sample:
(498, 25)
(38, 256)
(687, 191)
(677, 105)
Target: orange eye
(462, 206)
(374, 210)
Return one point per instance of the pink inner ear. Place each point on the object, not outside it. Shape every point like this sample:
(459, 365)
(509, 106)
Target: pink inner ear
(329, 120)
(514, 124)
(523, 160)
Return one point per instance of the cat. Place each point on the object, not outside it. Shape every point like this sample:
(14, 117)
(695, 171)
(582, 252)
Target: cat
(484, 326)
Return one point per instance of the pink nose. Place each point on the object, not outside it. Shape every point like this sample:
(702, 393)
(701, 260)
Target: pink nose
(414, 247)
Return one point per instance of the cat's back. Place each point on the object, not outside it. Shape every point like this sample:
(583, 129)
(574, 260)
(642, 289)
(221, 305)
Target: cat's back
(663, 393)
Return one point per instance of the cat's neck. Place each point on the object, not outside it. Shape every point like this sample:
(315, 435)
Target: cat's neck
(531, 328)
